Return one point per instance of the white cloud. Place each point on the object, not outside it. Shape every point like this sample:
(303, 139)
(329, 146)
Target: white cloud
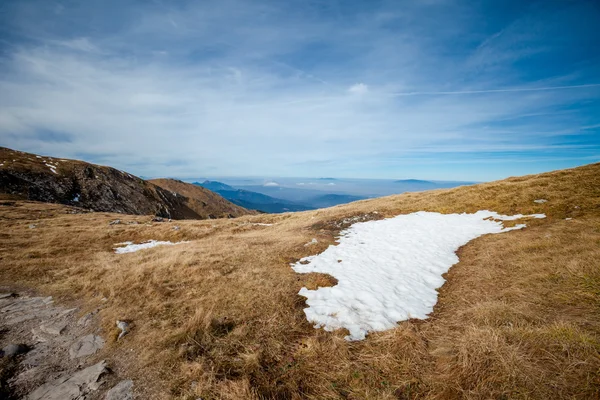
(358, 88)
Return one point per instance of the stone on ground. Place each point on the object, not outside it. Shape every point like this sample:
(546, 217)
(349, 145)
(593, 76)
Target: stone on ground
(13, 350)
(121, 391)
(86, 346)
(71, 387)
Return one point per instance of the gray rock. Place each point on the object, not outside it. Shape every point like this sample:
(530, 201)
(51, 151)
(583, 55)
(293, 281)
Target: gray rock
(13, 350)
(86, 319)
(32, 226)
(124, 327)
(86, 346)
(115, 222)
(55, 328)
(540, 201)
(121, 391)
(176, 228)
(73, 387)
(6, 295)
(38, 336)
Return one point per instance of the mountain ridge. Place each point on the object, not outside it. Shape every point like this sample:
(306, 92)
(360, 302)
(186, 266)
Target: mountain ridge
(95, 187)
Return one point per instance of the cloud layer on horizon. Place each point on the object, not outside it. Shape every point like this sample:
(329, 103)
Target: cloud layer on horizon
(441, 89)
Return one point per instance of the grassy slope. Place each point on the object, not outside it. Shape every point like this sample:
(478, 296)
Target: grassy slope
(519, 315)
(201, 200)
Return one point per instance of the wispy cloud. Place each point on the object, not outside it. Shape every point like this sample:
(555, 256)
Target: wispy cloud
(302, 89)
(509, 90)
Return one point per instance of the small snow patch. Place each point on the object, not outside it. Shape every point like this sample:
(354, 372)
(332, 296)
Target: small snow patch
(261, 224)
(52, 167)
(130, 247)
(391, 268)
(540, 201)
(76, 198)
(313, 241)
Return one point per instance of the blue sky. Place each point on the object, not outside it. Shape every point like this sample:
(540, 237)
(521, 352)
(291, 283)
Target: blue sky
(429, 89)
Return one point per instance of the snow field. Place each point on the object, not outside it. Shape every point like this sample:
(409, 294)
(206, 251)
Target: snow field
(389, 270)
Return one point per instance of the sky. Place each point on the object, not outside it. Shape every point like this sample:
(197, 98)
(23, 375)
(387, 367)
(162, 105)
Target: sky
(428, 89)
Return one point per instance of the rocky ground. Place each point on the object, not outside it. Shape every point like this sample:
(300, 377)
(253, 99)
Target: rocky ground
(49, 353)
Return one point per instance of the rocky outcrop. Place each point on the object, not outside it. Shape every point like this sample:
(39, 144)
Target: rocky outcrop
(77, 183)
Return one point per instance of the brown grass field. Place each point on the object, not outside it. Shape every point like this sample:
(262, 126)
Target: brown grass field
(220, 318)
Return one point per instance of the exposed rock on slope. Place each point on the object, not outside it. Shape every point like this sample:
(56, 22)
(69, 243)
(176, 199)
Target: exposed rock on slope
(32, 177)
(201, 200)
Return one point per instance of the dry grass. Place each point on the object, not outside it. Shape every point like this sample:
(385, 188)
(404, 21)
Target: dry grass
(219, 317)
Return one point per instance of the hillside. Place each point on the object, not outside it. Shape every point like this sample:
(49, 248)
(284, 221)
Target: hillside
(218, 314)
(98, 188)
(202, 201)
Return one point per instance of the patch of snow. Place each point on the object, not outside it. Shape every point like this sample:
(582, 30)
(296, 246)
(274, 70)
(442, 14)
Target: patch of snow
(313, 241)
(261, 224)
(391, 268)
(540, 201)
(271, 184)
(76, 198)
(130, 247)
(38, 157)
(2, 164)
(331, 184)
(568, 219)
(52, 167)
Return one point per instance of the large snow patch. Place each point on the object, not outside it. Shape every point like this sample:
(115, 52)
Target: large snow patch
(389, 270)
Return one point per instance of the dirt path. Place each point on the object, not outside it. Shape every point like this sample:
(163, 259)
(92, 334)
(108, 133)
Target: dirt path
(49, 353)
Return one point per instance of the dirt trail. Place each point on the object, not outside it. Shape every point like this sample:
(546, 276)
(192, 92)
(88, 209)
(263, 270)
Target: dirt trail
(49, 353)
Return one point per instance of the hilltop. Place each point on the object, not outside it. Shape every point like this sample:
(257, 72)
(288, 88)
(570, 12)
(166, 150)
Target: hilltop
(99, 188)
(217, 314)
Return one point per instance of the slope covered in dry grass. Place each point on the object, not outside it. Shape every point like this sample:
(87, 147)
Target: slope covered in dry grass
(219, 317)
(201, 200)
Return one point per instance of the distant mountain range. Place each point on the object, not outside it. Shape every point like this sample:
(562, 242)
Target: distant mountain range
(253, 200)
